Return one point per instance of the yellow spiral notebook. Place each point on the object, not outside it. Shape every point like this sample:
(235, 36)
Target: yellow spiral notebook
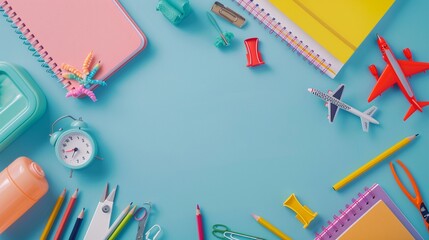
(339, 26)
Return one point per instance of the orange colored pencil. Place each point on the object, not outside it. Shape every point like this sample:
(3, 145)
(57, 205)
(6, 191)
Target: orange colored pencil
(66, 215)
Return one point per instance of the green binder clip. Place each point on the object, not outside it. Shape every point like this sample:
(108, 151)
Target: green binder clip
(174, 10)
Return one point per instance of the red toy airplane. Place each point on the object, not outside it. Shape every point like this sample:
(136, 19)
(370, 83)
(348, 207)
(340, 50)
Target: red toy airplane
(396, 72)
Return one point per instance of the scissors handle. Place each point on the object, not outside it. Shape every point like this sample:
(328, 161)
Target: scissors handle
(417, 200)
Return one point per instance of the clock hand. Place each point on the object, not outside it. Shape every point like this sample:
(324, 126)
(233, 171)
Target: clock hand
(74, 151)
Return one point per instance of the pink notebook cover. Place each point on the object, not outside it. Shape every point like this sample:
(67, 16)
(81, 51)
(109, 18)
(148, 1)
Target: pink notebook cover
(66, 31)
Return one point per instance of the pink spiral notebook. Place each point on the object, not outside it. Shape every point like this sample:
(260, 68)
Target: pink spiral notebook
(60, 32)
(372, 216)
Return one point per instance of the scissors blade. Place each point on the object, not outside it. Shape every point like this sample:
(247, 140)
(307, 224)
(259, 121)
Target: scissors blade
(100, 222)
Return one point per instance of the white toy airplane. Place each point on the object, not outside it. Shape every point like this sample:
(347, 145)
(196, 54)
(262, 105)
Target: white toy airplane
(333, 103)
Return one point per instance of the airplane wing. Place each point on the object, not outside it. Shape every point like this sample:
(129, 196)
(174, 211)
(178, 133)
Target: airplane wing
(364, 122)
(410, 67)
(332, 108)
(387, 79)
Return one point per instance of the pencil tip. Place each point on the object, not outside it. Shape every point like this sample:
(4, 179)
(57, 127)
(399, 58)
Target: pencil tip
(255, 216)
(417, 134)
(198, 206)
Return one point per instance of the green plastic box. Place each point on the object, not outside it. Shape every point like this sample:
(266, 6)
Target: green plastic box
(22, 102)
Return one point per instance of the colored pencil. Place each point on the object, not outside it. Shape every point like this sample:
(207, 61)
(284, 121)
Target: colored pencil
(122, 224)
(374, 162)
(53, 215)
(117, 221)
(199, 223)
(76, 226)
(271, 227)
(66, 215)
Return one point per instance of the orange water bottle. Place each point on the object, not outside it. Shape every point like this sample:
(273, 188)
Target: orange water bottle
(22, 184)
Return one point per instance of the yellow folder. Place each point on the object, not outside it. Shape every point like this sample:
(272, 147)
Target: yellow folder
(340, 26)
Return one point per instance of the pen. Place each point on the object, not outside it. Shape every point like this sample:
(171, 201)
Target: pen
(66, 215)
(53, 215)
(122, 224)
(76, 226)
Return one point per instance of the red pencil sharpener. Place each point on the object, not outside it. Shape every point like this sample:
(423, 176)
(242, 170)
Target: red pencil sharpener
(253, 55)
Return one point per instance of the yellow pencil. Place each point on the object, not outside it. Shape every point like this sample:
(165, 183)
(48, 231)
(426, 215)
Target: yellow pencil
(122, 224)
(53, 215)
(271, 227)
(374, 162)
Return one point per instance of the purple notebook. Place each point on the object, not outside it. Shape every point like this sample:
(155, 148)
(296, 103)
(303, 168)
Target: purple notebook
(359, 207)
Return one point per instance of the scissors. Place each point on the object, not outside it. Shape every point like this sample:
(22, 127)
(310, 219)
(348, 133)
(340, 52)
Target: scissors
(223, 232)
(101, 219)
(417, 200)
(143, 219)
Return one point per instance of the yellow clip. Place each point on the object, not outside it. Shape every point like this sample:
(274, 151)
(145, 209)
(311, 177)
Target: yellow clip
(303, 213)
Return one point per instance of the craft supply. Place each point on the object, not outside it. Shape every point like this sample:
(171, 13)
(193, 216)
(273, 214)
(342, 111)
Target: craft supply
(223, 232)
(373, 162)
(253, 55)
(22, 102)
(66, 215)
(396, 72)
(118, 220)
(271, 227)
(143, 219)
(417, 200)
(174, 10)
(155, 235)
(74, 28)
(224, 38)
(292, 26)
(101, 219)
(76, 226)
(199, 223)
(228, 14)
(22, 184)
(304, 214)
(333, 103)
(75, 147)
(53, 215)
(372, 215)
(123, 224)
(85, 78)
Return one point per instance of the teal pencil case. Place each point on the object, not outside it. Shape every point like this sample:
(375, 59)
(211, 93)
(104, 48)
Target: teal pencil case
(22, 102)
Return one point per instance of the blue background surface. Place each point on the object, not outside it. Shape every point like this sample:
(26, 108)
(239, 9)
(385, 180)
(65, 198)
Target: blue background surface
(186, 123)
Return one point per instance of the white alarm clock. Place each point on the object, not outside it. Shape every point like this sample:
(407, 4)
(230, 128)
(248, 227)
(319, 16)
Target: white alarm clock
(74, 147)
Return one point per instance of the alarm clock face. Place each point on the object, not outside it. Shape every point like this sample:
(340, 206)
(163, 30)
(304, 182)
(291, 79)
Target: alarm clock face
(75, 149)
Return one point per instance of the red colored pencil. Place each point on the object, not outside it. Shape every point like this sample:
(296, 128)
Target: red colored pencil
(66, 215)
(199, 223)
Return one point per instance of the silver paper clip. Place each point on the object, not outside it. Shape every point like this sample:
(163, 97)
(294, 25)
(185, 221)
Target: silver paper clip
(228, 14)
(148, 233)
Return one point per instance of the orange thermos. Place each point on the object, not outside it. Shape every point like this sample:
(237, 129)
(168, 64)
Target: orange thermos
(22, 184)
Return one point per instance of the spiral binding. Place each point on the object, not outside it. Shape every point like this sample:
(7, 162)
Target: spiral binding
(29, 40)
(287, 36)
(347, 214)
